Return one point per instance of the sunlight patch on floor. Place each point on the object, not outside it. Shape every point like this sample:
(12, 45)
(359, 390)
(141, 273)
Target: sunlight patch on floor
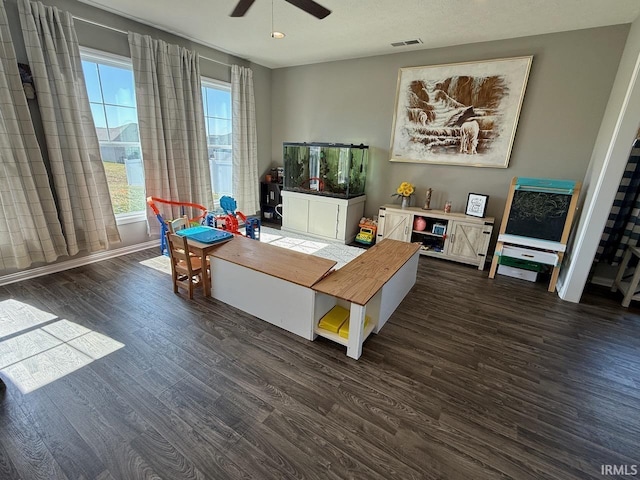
(42, 355)
(268, 237)
(17, 316)
(299, 245)
(161, 263)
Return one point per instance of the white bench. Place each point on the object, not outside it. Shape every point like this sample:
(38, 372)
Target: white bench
(294, 290)
(269, 282)
(372, 284)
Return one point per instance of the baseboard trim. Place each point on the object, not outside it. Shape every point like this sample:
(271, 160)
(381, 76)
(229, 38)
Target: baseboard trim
(75, 262)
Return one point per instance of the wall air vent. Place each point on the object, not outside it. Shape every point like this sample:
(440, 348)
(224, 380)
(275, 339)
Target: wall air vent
(406, 42)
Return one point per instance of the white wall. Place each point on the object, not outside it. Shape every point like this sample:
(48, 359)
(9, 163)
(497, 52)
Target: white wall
(608, 160)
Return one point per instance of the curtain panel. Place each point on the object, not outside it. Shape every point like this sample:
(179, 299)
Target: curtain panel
(245, 140)
(171, 122)
(79, 178)
(29, 227)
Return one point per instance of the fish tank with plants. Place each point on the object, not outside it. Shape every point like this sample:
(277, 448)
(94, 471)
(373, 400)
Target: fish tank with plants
(330, 169)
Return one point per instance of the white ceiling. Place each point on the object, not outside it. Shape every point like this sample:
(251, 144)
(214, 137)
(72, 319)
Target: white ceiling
(360, 28)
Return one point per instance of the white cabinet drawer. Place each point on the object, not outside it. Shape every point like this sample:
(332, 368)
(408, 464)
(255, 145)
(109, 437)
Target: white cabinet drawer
(517, 273)
(548, 258)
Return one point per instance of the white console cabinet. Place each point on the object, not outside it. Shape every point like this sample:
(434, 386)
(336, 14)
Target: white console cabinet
(328, 218)
(452, 236)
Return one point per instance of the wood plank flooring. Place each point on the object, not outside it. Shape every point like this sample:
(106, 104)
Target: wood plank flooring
(470, 379)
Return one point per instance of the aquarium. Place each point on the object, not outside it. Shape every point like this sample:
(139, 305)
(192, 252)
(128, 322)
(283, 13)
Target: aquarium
(331, 169)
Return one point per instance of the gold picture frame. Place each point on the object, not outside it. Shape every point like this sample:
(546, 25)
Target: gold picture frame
(459, 113)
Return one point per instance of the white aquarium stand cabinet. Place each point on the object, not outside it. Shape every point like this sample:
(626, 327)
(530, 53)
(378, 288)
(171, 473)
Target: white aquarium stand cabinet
(328, 218)
(465, 238)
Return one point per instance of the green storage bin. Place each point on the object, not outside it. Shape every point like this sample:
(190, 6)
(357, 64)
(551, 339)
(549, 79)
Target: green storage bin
(520, 263)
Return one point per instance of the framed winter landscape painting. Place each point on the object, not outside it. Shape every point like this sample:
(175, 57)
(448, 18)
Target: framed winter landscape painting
(459, 114)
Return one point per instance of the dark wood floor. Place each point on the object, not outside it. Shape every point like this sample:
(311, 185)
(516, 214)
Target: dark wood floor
(471, 379)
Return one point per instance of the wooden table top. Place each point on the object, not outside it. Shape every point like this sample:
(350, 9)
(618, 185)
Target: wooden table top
(295, 267)
(360, 279)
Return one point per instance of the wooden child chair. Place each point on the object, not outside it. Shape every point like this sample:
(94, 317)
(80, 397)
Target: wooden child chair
(178, 224)
(186, 270)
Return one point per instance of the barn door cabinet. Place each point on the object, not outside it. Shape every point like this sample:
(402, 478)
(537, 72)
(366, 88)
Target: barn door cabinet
(451, 236)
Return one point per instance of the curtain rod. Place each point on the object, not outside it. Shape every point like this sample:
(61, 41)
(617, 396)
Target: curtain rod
(91, 22)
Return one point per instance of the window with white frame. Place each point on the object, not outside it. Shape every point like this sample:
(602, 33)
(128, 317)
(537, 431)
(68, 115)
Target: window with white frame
(111, 91)
(216, 98)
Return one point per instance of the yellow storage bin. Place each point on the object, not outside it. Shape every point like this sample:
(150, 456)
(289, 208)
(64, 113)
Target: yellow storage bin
(344, 329)
(333, 320)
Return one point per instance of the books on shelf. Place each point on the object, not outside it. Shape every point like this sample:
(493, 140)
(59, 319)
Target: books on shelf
(334, 319)
(344, 329)
(337, 321)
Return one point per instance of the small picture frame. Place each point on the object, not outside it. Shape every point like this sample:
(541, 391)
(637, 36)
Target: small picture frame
(477, 205)
(439, 229)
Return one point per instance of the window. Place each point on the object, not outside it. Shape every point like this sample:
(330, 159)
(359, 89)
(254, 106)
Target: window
(216, 97)
(111, 92)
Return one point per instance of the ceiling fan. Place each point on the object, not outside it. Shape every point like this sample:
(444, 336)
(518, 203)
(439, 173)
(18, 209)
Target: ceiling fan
(308, 6)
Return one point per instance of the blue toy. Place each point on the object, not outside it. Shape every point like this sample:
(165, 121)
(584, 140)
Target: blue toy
(228, 205)
(209, 220)
(229, 221)
(252, 228)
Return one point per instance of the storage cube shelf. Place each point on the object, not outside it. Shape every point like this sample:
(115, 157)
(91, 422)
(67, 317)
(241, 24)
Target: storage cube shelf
(334, 319)
(335, 337)
(344, 329)
(335, 325)
(270, 198)
(452, 236)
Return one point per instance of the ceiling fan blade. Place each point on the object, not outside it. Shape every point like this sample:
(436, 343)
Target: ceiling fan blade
(311, 7)
(241, 8)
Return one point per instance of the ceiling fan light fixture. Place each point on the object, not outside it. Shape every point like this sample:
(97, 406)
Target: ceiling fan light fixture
(274, 33)
(309, 6)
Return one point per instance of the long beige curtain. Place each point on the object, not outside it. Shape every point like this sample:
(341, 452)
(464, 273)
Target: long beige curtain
(171, 122)
(79, 178)
(29, 227)
(245, 140)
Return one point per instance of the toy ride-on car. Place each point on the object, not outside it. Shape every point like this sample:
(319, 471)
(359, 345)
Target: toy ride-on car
(366, 235)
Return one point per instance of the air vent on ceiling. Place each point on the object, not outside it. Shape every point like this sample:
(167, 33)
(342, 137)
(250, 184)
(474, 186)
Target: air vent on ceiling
(406, 42)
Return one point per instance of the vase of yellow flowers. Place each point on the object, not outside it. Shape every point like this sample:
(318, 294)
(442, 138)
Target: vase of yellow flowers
(404, 191)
